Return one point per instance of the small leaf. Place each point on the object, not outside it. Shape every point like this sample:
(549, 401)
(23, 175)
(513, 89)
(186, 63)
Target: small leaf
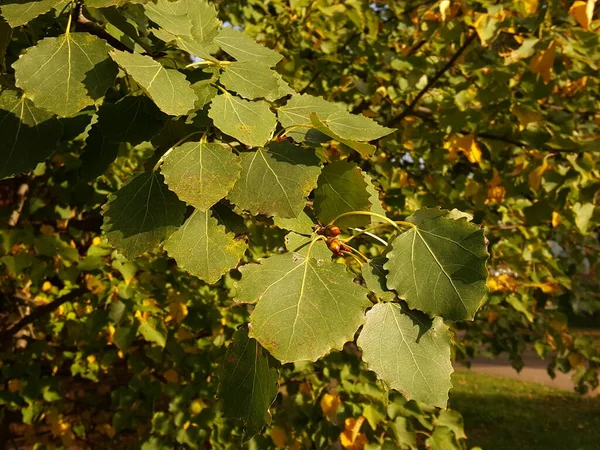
(67, 73)
(29, 135)
(438, 267)
(363, 148)
(342, 188)
(305, 307)
(243, 48)
(200, 173)
(251, 80)
(132, 119)
(251, 123)
(583, 12)
(276, 181)
(20, 12)
(543, 62)
(153, 330)
(203, 247)
(168, 88)
(409, 352)
(465, 144)
(374, 275)
(248, 384)
(141, 215)
(583, 215)
(298, 243)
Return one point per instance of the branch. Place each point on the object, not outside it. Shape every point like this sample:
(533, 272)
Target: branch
(38, 313)
(85, 24)
(435, 78)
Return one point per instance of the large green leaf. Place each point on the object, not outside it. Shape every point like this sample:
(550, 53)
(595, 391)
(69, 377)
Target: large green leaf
(172, 16)
(438, 267)
(305, 307)
(132, 119)
(251, 80)
(67, 73)
(98, 155)
(251, 123)
(168, 88)
(302, 224)
(248, 383)
(366, 150)
(408, 351)
(243, 48)
(355, 127)
(141, 215)
(203, 247)
(342, 188)
(201, 174)
(276, 181)
(19, 12)
(29, 135)
(295, 114)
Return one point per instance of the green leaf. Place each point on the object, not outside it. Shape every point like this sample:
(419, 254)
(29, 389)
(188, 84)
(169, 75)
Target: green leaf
(342, 188)
(251, 80)
(374, 275)
(409, 352)
(98, 155)
(141, 215)
(203, 248)
(107, 3)
(19, 12)
(204, 93)
(168, 88)
(404, 433)
(299, 243)
(201, 174)
(442, 438)
(295, 114)
(376, 204)
(243, 48)
(438, 267)
(248, 384)
(29, 135)
(365, 150)
(154, 330)
(172, 16)
(67, 73)
(354, 127)
(452, 420)
(5, 37)
(132, 119)
(251, 123)
(302, 224)
(583, 215)
(124, 336)
(205, 23)
(305, 307)
(276, 181)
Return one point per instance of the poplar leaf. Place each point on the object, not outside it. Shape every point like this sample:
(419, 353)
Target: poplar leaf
(17, 12)
(302, 224)
(409, 351)
(543, 62)
(583, 12)
(438, 266)
(276, 181)
(168, 88)
(201, 173)
(172, 16)
(243, 48)
(363, 148)
(98, 155)
(248, 383)
(251, 123)
(465, 144)
(342, 188)
(29, 135)
(525, 115)
(355, 127)
(304, 307)
(141, 215)
(67, 73)
(251, 80)
(298, 243)
(204, 248)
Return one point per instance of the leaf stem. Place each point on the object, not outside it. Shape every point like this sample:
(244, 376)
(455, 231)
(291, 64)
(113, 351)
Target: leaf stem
(208, 63)
(358, 253)
(179, 142)
(395, 224)
(366, 231)
(318, 238)
(361, 263)
(68, 30)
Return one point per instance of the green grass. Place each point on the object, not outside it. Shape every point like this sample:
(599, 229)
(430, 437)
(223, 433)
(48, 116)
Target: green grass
(505, 414)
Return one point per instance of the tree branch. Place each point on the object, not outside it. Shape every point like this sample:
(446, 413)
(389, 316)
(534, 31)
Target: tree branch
(435, 78)
(38, 313)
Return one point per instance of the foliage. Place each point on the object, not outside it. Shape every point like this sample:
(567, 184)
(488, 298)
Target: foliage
(198, 151)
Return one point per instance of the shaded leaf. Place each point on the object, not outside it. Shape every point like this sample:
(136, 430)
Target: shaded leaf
(98, 155)
(29, 135)
(251, 123)
(439, 267)
(248, 383)
(305, 307)
(409, 352)
(203, 248)
(276, 181)
(243, 48)
(18, 12)
(201, 173)
(67, 73)
(374, 275)
(153, 330)
(168, 88)
(141, 215)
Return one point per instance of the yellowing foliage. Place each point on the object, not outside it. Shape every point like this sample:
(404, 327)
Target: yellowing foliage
(330, 404)
(543, 62)
(465, 144)
(583, 12)
(502, 283)
(496, 191)
(351, 438)
(279, 437)
(171, 376)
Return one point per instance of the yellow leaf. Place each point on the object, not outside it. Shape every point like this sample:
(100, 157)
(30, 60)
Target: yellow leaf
(171, 376)
(502, 283)
(465, 144)
(196, 407)
(543, 62)
(330, 404)
(529, 6)
(178, 311)
(110, 330)
(183, 334)
(91, 359)
(555, 219)
(535, 176)
(278, 436)
(14, 385)
(576, 359)
(583, 12)
(351, 438)
(496, 191)
(525, 116)
(547, 287)
(94, 285)
(46, 286)
(97, 241)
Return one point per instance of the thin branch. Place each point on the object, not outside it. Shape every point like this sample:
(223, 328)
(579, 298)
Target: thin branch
(435, 78)
(38, 313)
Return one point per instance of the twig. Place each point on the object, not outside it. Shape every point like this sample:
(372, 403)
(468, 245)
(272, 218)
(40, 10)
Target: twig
(435, 78)
(22, 195)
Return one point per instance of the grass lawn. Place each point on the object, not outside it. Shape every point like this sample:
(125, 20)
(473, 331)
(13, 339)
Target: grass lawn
(505, 414)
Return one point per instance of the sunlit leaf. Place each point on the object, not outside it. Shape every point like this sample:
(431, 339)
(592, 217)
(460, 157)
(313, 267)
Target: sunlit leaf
(243, 48)
(18, 12)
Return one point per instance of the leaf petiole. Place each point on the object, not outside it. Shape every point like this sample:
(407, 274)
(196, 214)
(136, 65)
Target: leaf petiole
(318, 238)
(395, 224)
